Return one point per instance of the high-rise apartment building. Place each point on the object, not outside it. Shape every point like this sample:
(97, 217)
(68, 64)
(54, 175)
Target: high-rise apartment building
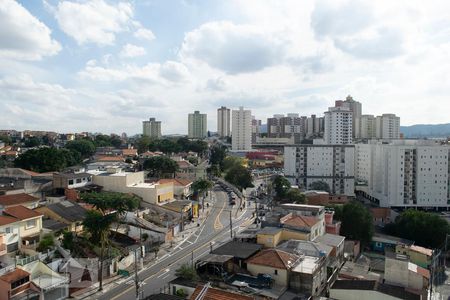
(404, 173)
(367, 127)
(291, 125)
(256, 125)
(356, 108)
(241, 130)
(197, 125)
(223, 122)
(333, 164)
(151, 128)
(314, 126)
(338, 124)
(388, 127)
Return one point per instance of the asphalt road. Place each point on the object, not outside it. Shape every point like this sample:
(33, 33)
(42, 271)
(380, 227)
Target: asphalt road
(215, 230)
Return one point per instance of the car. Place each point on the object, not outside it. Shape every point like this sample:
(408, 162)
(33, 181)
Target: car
(232, 202)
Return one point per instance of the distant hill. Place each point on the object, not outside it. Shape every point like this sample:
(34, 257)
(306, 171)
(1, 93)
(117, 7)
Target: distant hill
(426, 130)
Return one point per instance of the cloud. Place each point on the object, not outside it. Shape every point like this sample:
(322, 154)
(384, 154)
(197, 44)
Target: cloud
(144, 34)
(93, 21)
(23, 36)
(174, 71)
(130, 50)
(233, 48)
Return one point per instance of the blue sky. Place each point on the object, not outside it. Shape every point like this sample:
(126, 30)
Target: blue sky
(99, 65)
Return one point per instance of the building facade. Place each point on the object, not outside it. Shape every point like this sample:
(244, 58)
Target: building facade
(333, 164)
(356, 109)
(197, 125)
(223, 122)
(339, 124)
(388, 127)
(151, 128)
(314, 126)
(242, 130)
(291, 125)
(404, 173)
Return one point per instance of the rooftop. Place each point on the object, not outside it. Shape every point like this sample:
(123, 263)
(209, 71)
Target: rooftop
(384, 238)
(330, 239)
(21, 212)
(274, 258)
(216, 294)
(270, 230)
(238, 249)
(299, 221)
(422, 250)
(308, 265)
(14, 275)
(176, 181)
(306, 247)
(68, 210)
(16, 199)
(368, 285)
(5, 220)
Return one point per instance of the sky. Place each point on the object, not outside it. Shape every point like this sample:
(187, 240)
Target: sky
(105, 66)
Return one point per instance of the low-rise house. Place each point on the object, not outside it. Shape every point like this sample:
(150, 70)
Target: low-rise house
(26, 200)
(331, 226)
(9, 226)
(67, 212)
(270, 237)
(180, 286)
(400, 271)
(309, 275)
(420, 256)
(383, 242)
(310, 224)
(29, 223)
(382, 215)
(276, 263)
(117, 180)
(17, 180)
(351, 249)
(337, 244)
(210, 293)
(181, 187)
(186, 170)
(359, 270)
(49, 284)
(129, 153)
(324, 198)
(240, 252)
(16, 285)
(366, 289)
(62, 181)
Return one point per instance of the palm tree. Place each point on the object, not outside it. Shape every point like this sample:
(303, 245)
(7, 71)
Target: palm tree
(201, 186)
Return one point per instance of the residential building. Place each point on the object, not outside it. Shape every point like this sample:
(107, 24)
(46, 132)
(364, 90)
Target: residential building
(332, 164)
(314, 126)
(197, 125)
(309, 275)
(9, 226)
(117, 180)
(356, 109)
(291, 125)
(420, 256)
(398, 270)
(270, 237)
(67, 212)
(313, 225)
(388, 127)
(367, 127)
(181, 187)
(371, 290)
(15, 284)
(240, 251)
(151, 128)
(404, 173)
(276, 263)
(223, 122)
(211, 293)
(337, 244)
(256, 125)
(241, 130)
(338, 124)
(29, 223)
(26, 200)
(62, 181)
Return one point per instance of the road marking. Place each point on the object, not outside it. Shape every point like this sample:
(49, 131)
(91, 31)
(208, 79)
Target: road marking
(217, 224)
(165, 272)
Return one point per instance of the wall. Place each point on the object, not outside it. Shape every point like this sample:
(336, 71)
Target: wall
(358, 295)
(280, 279)
(268, 240)
(24, 231)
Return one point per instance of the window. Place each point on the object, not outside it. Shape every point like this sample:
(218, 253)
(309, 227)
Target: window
(79, 180)
(70, 181)
(20, 282)
(275, 272)
(30, 224)
(8, 229)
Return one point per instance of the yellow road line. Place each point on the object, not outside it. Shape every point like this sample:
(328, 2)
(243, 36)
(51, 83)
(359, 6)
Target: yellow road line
(217, 224)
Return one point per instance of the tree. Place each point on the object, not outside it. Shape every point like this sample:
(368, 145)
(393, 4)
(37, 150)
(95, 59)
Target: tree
(109, 207)
(67, 241)
(295, 196)
(281, 186)
(214, 170)
(217, 154)
(142, 144)
(239, 176)
(426, 229)
(232, 161)
(46, 243)
(201, 186)
(187, 272)
(47, 159)
(320, 186)
(160, 165)
(33, 141)
(356, 222)
(5, 139)
(86, 148)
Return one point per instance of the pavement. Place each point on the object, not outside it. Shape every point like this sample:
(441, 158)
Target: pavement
(194, 242)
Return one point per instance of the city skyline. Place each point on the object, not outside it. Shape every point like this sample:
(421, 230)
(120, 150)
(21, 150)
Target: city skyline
(74, 66)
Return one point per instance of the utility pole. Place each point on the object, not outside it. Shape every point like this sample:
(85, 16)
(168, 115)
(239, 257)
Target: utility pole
(192, 259)
(136, 278)
(231, 225)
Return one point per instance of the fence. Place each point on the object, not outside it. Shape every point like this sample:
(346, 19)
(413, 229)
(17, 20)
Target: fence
(29, 259)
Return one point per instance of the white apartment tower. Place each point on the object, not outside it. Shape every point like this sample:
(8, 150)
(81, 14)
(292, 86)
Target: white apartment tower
(197, 125)
(314, 126)
(223, 122)
(404, 173)
(388, 127)
(333, 164)
(338, 124)
(241, 130)
(367, 127)
(151, 128)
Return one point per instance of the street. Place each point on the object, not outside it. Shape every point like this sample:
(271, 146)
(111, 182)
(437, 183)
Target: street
(214, 231)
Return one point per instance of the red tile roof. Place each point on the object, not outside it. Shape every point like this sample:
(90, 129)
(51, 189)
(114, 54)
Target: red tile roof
(299, 221)
(183, 164)
(216, 294)
(110, 158)
(274, 258)
(14, 275)
(21, 212)
(5, 220)
(16, 199)
(422, 250)
(129, 152)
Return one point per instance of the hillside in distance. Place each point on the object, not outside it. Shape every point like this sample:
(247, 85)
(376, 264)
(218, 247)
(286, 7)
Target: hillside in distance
(426, 130)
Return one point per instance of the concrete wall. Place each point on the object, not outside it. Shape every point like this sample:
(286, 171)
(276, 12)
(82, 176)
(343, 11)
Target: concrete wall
(281, 278)
(358, 295)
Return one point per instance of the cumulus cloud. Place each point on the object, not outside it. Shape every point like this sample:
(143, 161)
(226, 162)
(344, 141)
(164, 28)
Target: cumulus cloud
(233, 48)
(174, 71)
(130, 50)
(94, 21)
(23, 36)
(144, 34)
